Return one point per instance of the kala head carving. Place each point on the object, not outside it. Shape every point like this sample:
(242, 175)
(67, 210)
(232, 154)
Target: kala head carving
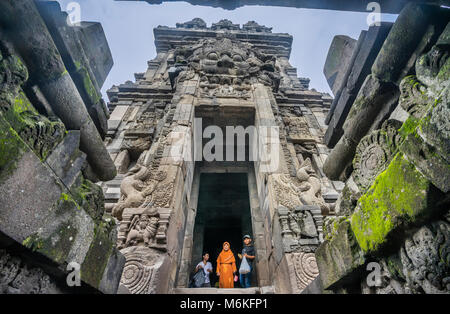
(228, 62)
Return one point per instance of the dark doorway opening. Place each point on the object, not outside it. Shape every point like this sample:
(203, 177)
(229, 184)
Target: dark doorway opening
(223, 215)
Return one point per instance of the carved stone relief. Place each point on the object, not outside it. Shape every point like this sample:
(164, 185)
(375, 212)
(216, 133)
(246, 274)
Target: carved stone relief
(413, 98)
(374, 153)
(144, 227)
(16, 277)
(421, 266)
(297, 129)
(304, 189)
(145, 187)
(141, 274)
(228, 62)
(303, 269)
(425, 259)
(299, 228)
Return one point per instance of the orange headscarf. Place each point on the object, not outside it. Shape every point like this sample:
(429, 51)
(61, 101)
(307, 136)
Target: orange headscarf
(226, 266)
(226, 257)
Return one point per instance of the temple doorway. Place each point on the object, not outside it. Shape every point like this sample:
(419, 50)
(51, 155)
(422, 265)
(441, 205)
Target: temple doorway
(223, 214)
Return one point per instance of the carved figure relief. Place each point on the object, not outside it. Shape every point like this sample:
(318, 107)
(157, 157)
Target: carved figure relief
(304, 189)
(143, 227)
(298, 129)
(144, 187)
(16, 277)
(310, 186)
(299, 228)
(139, 133)
(425, 259)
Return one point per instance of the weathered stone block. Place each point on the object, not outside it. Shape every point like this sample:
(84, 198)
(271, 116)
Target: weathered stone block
(122, 162)
(374, 98)
(338, 60)
(360, 69)
(400, 197)
(373, 41)
(435, 125)
(404, 42)
(424, 157)
(28, 188)
(98, 256)
(67, 160)
(112, 273)
(340, 257)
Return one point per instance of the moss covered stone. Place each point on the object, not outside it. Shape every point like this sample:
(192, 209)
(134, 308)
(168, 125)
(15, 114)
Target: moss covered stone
(400, 195)
(426, 158)
(84, 81)
(90, 197)
(11, 148)
(58, 243)
(339, 257)
(97, 257)
(408, 127)
(41, 134)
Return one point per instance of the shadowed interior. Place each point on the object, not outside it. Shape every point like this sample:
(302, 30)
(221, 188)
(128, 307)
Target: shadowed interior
(223, 215)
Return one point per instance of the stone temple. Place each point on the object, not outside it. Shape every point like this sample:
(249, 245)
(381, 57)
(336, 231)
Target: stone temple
(219, 137)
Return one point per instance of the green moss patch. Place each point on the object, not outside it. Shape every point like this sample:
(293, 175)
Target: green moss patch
(399, 196)
(11, 148)
(90, 197)
(409, 126)
(41, 134)
(85, 82)
(97, 257)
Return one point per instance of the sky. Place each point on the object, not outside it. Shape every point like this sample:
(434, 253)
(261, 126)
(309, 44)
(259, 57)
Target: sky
(128, 27)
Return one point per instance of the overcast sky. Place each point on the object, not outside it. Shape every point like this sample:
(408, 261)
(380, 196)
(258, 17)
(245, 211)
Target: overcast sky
(129, 29)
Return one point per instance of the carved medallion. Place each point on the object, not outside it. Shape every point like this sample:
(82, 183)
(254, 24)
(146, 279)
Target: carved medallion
(374, 153)
(304, 269)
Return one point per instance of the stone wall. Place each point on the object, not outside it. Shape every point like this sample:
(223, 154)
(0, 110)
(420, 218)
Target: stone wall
(51, 154)
(391, 229)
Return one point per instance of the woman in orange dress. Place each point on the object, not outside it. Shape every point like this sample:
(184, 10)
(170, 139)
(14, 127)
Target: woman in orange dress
(226, 267)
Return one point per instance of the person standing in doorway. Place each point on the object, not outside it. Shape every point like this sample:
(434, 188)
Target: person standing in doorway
(207, 269)
(226, 267)
(248, 251)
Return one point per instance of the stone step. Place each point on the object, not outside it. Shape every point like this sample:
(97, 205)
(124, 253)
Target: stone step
(253, 290)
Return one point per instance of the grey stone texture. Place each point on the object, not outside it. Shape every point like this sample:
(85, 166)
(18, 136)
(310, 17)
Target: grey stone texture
(395, 203)
(50, 212)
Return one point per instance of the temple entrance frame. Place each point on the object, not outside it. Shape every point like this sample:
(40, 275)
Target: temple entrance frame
(187, 264)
